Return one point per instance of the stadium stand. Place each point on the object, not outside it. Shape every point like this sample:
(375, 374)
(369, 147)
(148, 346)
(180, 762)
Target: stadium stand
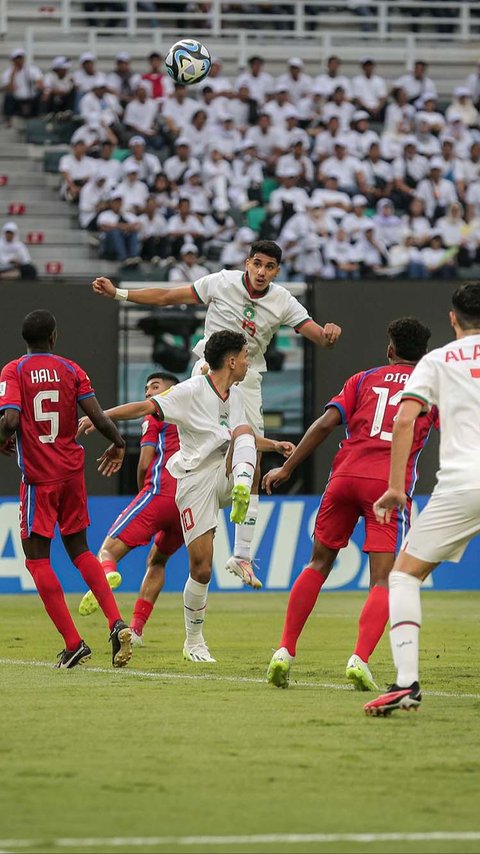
(359, 151)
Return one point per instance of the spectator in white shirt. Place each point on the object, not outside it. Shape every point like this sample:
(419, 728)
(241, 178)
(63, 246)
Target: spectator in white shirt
(289, 198)
(377, 173)
(466, 171)
(472, 199)
(416, 82)
(438, 262)
(336, 202)
(325, 140)
(297, 156)
(298, 83)
(176, 166)
(266, 140)
(399, 123)
(107, 166)
(200, 202)
(361, 136)
(154, 236)
(94, 198)
(437, 193)
(462, 135)
(316, 220)
(15, 260)
(428, 144)
(199, 133)
(166, 195)
(328, 81)
(184, 223)
(427, 107)
(93, 135)
(339, 106)
(101, 105)
(452, 166)
(122, 81)
(343, 256)
(472, 83)
(234, 253)
(292, 131)
(260, 83)
(226, 134)
(416, 225)
(311, 108)
(217, 174)
(408, 171)
(85, 76)
(347, 169)
(76, 169)
(23, 86)
(134, 192)
(219, 228)
(463, 105)
(178, 109)
(187, 269)
(370, 90)
(371, 249)
(247, 177)
(140, 116)
(243, 107)
(148, 164)
(58, 95)
(279, 106)
(220, 84)
(388, 226)
(455, 232)
(353, 221)
(119, 232)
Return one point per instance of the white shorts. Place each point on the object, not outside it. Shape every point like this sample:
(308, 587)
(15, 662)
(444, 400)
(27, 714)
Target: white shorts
(444, 528)
(199, 497)
(251, 389)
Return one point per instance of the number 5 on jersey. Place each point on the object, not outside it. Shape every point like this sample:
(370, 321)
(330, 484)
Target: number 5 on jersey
(52, 417)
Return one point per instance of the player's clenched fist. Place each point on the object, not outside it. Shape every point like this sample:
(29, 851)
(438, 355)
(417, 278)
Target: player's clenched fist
(332, 333)
(103, 286)
(387, 503)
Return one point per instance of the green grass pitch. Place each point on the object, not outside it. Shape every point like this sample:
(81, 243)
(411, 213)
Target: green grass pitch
(137, 760)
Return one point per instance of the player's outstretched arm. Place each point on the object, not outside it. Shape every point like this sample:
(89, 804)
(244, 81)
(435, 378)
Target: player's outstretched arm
(324, 336)
(402, 439)
(111, 459)
(145, 296)
(264, 445)
(315, 435)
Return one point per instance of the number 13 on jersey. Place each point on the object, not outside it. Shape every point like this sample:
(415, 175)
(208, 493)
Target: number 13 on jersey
(382, 402)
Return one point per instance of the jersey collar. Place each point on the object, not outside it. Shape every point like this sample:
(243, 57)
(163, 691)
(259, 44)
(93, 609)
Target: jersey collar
(215, 389)
(251, 293)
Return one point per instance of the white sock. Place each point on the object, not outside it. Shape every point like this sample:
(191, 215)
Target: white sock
(244, 533)
(405, 622)
(194, 606)
(244, 459)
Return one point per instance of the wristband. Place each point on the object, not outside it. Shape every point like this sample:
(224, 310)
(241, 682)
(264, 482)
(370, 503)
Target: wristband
(121, 294)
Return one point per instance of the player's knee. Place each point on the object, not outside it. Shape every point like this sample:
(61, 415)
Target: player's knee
(243, 430)
(201, 571)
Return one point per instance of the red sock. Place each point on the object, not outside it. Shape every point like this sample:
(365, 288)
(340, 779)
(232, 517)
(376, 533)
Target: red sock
(141, 613)
(93, 575)
(51, 594)
(303, 596)
(372, 622)
(109, 565)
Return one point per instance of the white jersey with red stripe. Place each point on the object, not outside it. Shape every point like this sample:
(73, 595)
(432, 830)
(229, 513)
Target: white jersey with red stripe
(234, 305)
(450, 379)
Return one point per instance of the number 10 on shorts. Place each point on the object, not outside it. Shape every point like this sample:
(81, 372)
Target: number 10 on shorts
(187, 519)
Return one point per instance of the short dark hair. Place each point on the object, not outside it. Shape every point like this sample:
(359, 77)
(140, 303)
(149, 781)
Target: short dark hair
(162, 375)
(266, 247)
(409, 337)
(154, 55)
(255, 58)
(38, 326)
(466, 305)
(222, 344)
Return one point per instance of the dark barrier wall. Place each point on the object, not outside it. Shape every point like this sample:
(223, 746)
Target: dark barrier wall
(364, 309)
(88, 334)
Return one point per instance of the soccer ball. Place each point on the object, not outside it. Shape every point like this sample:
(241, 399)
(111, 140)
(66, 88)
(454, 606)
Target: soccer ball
(188, 61)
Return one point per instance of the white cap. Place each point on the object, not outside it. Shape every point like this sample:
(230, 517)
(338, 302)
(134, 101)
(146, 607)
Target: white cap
(246, 143)
(340, 140)
(99, 80)
(10, 226)
(61, 62)
(288, 170)
(131, 167)
(145, 85)
(455, 117)
(410, 140)
(116, 193)
(190, 172)
(295, 62)
(359, 115)
(297, 138)
(136, 140)
(315, 202)
(188, 247)
(17, 52)
(291, 113)
(365, 59)
(367, 224)
(245, 235)
(462, 92)
(226, 117)
(87, 57)
(436, 163)
(182, 140)
(281, 87)
(123, 56)
(359, 200)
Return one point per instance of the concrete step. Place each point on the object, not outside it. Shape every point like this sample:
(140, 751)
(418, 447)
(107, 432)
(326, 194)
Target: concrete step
(35, 222)
(38, 208)
(86, 269)
(52, 252)
(60, 237)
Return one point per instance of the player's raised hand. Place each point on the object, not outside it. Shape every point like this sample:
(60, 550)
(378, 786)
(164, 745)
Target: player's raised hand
(103, 286)
(386, 504)
(285, 449)
(273, 478)
(85, 426)
(111, 460)
(9, 447)
(332, 334)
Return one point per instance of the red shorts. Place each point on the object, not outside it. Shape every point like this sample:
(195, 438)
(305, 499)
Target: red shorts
(344, 501)
(42, 505)
(146, 516)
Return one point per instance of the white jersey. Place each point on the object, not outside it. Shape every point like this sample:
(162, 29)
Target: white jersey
(205, 421)
(233, 305)
(449, 377)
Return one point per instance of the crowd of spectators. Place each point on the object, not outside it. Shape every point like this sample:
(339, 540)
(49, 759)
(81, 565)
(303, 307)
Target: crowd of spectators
(352, 175)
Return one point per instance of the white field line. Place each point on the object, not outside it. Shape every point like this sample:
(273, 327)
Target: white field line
(256, 839)
(211, 677)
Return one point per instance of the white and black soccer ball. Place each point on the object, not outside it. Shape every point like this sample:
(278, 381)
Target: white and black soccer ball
(188, 61)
